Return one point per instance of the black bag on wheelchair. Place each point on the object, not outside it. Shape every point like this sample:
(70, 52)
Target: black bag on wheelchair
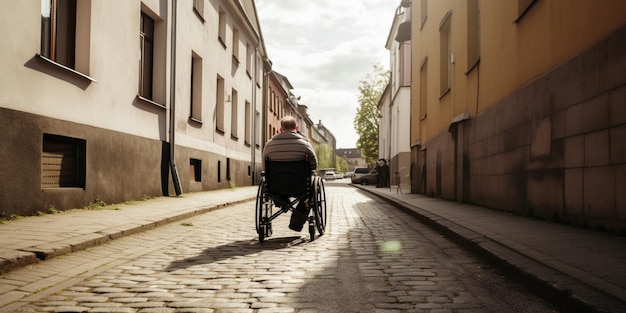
(287, 178)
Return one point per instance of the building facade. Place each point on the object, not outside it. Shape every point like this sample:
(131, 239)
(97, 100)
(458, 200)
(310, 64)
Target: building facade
(115, 100)
(279, 89)
(394, 106)
(519, 106)
(352, 157)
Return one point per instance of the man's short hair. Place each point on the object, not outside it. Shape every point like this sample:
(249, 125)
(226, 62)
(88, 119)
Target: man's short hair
(288, 123)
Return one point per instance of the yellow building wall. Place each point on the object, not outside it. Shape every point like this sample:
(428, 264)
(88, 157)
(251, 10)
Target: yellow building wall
(552, 32)
(543, 110)
(512, 53)
(462, 95)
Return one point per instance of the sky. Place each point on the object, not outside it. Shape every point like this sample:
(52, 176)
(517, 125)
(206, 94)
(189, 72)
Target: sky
(325, 48)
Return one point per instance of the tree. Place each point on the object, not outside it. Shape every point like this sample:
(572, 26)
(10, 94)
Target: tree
(366, 121)
(341, 166)
(324, 155)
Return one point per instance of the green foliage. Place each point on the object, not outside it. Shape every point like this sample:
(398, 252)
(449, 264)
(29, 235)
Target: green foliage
(96, 204)
(324, 155)
(342, 165)
(366, 121)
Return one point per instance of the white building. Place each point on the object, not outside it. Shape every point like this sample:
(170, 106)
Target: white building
(395, 105)
(94, 93)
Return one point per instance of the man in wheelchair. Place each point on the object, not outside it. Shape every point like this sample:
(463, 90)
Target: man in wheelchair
(287, 146)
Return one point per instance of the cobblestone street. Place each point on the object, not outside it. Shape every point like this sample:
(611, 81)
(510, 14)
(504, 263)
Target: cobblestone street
(373, 258)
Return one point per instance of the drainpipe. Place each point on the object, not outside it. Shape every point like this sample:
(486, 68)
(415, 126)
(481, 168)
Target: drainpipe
(267, 70)
(252, 119)
(175, 179)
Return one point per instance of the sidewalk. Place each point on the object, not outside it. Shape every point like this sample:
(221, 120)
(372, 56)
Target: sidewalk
(581, 269)
(31, 239)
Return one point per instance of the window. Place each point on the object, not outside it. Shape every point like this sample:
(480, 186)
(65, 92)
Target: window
(219, 171)
(198, 7)
(58, 31)
(228, 169)
(62, 162)
(249, 60)
(66, 34)
(473, 34)
(423, 12)
(221, 35)
(423, 89)
(259, 70)
(146, 43)
(248, 117)
(219, 107)
(195, 112)
(195, 170)
(405, 64)
(234, 116)
(236, 46)
(445, 54)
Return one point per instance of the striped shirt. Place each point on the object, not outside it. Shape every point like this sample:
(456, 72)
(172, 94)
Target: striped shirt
(289, 146)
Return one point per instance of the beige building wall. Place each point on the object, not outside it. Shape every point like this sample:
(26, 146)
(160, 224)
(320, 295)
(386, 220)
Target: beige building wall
(93, 106)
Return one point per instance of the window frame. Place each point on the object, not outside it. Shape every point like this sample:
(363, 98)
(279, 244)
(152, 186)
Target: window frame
(445, 54)
(473, 35)
(58, 34)
(248, 118)
(195, 101)
(198, 8)
(234, 115)
(65, 158)
(235, 49)
(423, 13)
(146, 56)
(523, 6)
(219, 107)
(221, 33)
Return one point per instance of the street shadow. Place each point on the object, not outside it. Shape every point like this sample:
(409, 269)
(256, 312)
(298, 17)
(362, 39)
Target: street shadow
(235, 249)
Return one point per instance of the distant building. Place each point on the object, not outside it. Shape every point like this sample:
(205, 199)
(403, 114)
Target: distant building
(352, 157)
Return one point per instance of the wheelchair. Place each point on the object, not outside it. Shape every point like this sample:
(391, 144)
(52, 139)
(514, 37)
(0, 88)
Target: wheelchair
(283, 186)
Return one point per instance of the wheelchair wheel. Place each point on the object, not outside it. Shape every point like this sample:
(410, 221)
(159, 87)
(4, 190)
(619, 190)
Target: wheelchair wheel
(319, 205)
(264, 207)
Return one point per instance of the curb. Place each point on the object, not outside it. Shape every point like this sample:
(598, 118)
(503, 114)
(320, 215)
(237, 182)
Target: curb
(565, 292)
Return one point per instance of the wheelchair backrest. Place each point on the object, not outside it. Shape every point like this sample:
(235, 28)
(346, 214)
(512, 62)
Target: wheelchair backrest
(287, 177)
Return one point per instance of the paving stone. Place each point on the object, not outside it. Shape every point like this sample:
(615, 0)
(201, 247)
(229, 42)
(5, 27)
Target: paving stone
(217, 265)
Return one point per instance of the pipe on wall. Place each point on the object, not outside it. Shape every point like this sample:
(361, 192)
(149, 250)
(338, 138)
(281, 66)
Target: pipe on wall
(172, 130)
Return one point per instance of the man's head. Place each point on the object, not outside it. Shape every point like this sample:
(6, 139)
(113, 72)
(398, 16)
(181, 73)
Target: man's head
(288, 123)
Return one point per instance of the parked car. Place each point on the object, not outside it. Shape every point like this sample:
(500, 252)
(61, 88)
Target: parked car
(366, 179)
(358, 172)
(330, 175)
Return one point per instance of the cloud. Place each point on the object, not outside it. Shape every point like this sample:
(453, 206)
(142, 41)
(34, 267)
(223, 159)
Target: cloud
(325, 48)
